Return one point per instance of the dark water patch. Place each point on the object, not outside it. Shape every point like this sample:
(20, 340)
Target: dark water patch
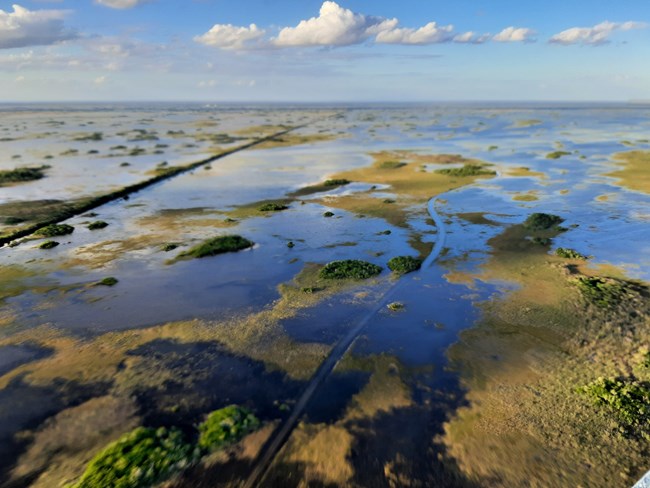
(206, 377)
(331, 399)
(12, 356)
(25, 407)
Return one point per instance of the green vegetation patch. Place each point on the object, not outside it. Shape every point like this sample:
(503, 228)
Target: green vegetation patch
(217, 245)
(99, 224)
(48, 245)
(557, 154)
(20, 175)
(336, 182)
(467, 170)
(55, 230)
(140, 458)
(226, 426)
(328, 214)
(603, 292)
(542, 221)
(109, 281)
(392, 164)
(566, 253)
(629, 399)
(349, 269)
(95, 136)
(404, 264)
(395, 306)
(273, 207)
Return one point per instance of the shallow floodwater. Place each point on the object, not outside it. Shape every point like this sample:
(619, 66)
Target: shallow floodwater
(55, 290)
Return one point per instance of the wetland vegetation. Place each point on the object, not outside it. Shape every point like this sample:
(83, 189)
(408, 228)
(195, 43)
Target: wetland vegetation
(512, 357)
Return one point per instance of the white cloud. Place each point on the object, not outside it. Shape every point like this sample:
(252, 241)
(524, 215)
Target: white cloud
(471, 38)
(100, 80)
(121, 4)
(334, 26)
(24, 27)
(227, 36)
(431, 33)
(515, 34)
(598, 34)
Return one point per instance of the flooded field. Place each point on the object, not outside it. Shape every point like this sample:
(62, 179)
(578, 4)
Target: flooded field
(165, 262)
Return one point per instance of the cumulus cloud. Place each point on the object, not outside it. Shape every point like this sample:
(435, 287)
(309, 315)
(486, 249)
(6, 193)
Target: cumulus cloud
(23, 27)
(227, 36)
(515, 34)
(121, 4)
(598, 34)
(471, 38)
(431, 33)
(334, 26)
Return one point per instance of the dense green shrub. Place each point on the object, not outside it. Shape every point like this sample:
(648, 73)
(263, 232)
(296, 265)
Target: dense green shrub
(542, 221)
(217, 245)
(55, 230)
(109, 281)
(349, 269)
(328, 214)
(48, 245)
(99, 224)
(404, 264)
(140, 458)
(226, 426)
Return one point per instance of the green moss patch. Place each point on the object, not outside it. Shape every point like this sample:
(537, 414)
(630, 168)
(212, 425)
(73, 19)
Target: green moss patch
(466, 170)
(55, 230)
(20, 175)
(404, 264)
(628, 399)
(217, 245)
(140, 458)
(226, 426)
(349, 269)
(566, 253)
(99, 224)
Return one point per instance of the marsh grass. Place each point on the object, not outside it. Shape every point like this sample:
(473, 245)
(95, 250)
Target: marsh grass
(566, 253)
(628, 399)
(466, 171)
(602, 292)
(21, 175)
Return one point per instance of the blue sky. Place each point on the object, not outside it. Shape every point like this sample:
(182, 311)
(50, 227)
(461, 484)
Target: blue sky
(304, 50)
